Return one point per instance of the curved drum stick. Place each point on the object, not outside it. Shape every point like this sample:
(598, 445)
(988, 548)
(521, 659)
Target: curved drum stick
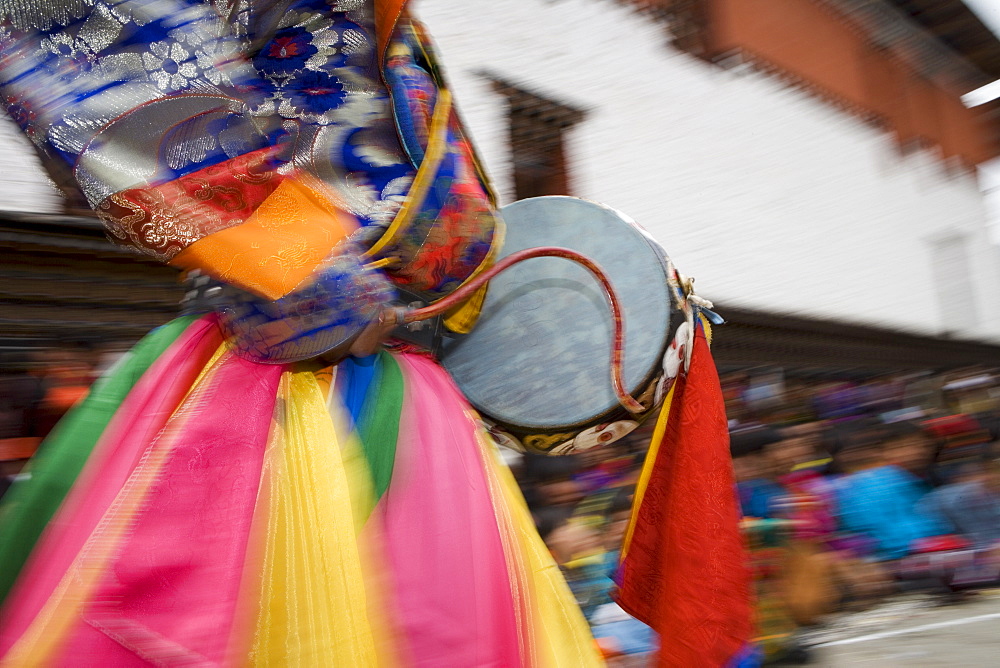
(618, 344)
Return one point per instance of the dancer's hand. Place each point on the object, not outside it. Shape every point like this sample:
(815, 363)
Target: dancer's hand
(371, 339)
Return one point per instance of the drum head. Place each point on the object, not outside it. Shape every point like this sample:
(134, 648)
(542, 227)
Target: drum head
(539, 357)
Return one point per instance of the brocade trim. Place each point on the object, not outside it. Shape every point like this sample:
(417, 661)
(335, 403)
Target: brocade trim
(161, 221)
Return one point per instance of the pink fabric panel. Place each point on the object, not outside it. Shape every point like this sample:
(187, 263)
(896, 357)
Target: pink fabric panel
(141, 416)
(450, 582)
(170, 595)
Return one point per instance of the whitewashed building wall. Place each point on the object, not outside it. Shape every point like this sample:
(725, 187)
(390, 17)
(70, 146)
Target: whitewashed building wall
(23, 184)
(772, 198)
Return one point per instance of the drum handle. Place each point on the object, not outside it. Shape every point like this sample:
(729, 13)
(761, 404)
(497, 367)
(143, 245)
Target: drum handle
(617, 347)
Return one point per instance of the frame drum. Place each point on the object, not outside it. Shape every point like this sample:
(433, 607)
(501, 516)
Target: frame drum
(537, 363)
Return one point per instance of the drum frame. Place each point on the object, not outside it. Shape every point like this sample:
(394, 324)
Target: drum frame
(614, 422)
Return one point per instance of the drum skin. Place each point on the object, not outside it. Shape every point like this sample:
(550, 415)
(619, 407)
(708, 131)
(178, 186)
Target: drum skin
(537, 363)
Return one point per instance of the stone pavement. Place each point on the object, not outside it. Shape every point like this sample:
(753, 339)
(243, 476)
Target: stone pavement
(913, 631)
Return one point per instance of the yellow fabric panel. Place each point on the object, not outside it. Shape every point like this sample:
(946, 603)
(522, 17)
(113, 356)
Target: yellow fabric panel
(647, 467)
(314, 609)
(277, 247)
(555, 633)
(355, 465)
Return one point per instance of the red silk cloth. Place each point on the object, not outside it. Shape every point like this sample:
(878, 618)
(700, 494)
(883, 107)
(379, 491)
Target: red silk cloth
(163, 220)
(686, 570)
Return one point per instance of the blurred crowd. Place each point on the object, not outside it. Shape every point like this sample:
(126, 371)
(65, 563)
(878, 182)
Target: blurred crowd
(852, 489)
(36, 389)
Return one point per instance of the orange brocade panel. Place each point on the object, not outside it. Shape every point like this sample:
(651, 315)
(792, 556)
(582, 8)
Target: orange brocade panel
(277, 247)
(828, 54)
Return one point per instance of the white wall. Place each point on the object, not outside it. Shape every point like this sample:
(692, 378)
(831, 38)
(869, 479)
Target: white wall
(23, 184)
(772, 198)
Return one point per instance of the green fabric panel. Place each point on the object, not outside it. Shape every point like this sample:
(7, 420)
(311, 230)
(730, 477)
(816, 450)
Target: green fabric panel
(29, 504)
(378, 423)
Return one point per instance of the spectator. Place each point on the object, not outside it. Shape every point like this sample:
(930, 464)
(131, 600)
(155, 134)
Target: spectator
(970, 505)
(754, 471)
(881, 499)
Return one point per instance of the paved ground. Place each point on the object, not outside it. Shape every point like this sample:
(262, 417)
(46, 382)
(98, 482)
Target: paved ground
(913, 632)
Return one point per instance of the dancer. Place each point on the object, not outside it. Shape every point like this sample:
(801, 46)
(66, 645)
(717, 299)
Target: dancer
(271, 479)
(268, 483)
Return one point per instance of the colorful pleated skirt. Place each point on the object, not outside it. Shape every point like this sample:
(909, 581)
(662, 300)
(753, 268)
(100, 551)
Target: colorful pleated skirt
(201, 509)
